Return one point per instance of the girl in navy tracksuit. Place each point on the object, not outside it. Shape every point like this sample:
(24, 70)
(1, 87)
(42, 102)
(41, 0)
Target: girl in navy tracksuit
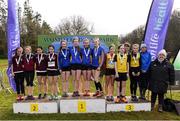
(53, 72)
(76, 66)
(41, 72)
(29, 70)
(97, 62)
(145, 63)
(64, 66)
(18, 73)
(86, 65)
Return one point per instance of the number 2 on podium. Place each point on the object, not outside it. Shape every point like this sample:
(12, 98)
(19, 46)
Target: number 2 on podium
(34, 107)
(82, 106)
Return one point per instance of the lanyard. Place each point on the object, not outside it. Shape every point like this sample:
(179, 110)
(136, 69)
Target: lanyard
(96, 51)
(18, 61)
(64, 54)
(135, 58)
(75, 52)
(40, 59)
(121, 58)
(51, 57)
(111, 59)
(86, 53)
(28, 59)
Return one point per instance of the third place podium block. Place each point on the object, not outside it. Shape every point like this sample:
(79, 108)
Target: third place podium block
(82, 105)
(128, 107)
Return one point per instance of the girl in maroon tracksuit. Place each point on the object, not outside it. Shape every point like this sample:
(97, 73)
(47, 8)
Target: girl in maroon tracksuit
(53, 72)
(18, 73)
(28, 63)
(41, 72)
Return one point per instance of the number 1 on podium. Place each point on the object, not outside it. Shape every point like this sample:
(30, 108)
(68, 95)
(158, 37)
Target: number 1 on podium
(82, 106)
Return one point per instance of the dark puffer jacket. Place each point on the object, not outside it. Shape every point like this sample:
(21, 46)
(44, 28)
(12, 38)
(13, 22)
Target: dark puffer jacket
(161, 74)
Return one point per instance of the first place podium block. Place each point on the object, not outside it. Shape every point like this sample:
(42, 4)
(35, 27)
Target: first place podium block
(36, 106)
(82, 105)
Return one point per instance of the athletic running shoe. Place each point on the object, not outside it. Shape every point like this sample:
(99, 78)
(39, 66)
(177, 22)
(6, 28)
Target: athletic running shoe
(160, 109)
(111, 98)
(95, 94)
(39, 97)
(117, 100)
(134, 98)
(101, 94)
(27, 97)
(51, 97)
(86, 93)
(18, 98)
(45, 95)
(107, 98)
(21, 97)
(32, 97)
(77, 94)
(123, 99)
(74, 94)
(142, 98)
(55, 97)
(65, 94)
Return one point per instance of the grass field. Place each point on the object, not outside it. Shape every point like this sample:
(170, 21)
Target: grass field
(6, 111)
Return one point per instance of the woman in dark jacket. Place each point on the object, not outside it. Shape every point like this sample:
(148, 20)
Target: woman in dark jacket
(161, 74)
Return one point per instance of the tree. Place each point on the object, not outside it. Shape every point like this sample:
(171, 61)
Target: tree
(75, 25)
(136, 36)
(45, 28)
(31, 26)
(172, 42)
(3, 20)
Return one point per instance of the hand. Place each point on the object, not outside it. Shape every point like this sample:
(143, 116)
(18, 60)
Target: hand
(13, 74)
(133, 74)
(117, 75)
(138, 74)
(99, 68)
(143, 71)
(127, 74)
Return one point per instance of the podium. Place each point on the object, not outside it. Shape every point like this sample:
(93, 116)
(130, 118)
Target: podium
(36, 106)
(79, 104)
(128, 107)
(82, 105)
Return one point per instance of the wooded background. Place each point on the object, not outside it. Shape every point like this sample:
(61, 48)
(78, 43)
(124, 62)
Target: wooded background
(32, 25)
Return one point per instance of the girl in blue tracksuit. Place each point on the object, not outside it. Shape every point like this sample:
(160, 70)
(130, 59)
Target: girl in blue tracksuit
(97, 62)
(86, 65)
(76, 65)
(64, 66)
(145, 63)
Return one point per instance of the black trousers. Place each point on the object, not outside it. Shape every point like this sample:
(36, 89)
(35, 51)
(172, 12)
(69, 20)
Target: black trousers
(133, 84)
(19, 80)
(134, 80)
(160, 98)
(143, 84)
(29, 76)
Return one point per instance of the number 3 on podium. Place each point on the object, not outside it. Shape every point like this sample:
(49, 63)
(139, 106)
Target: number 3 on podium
(81, 106)
(129, 107)
(34, 107)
